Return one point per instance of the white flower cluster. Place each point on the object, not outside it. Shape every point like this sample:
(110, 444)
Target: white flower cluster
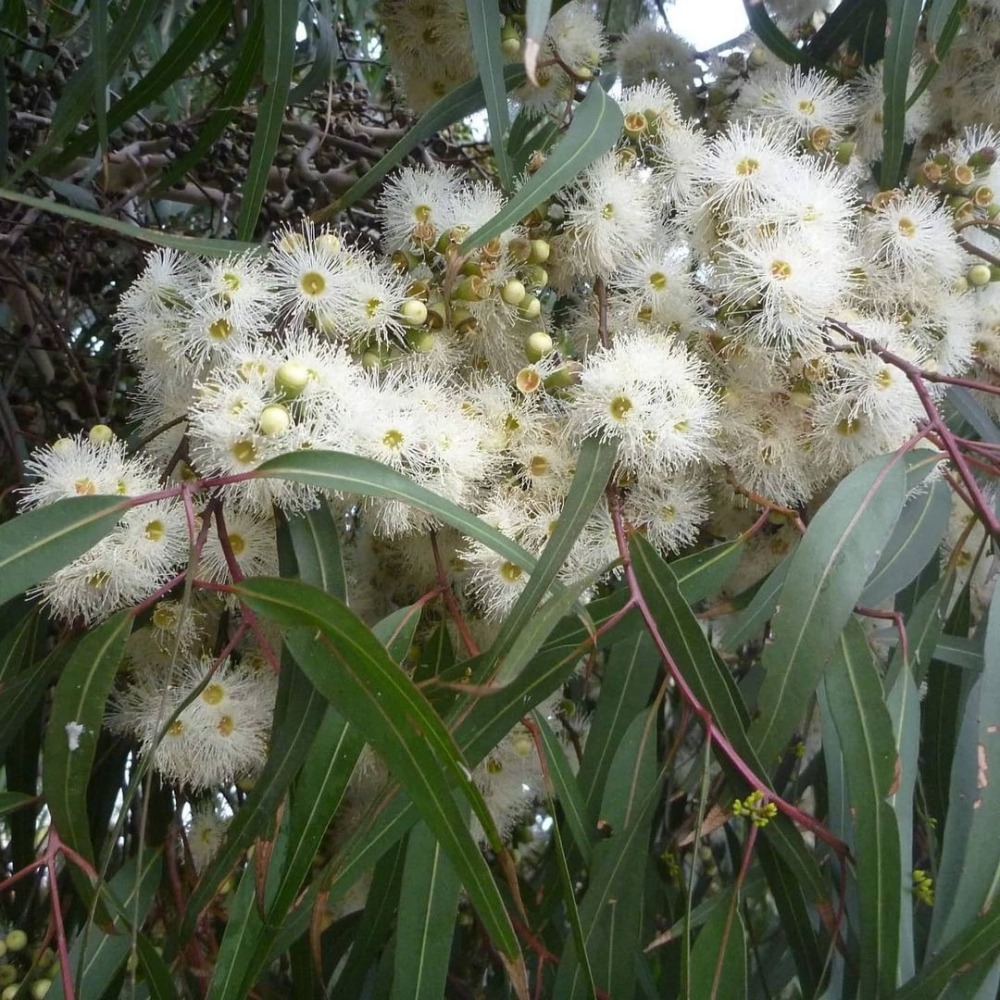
(673, 300)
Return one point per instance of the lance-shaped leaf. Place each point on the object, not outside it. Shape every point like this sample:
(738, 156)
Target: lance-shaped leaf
(901, 37)
(426, 919)
(719, 955)
(71, 737)
(536, 18)
(352, 670)
(339, 471)
(484, 26)
(596, 127)
(281, 17)
(968, 876)
(36, 544)
(825, 577)
(864, 727)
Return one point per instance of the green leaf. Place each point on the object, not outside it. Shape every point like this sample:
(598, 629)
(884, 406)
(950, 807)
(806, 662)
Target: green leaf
(567, 791)
(455, 105)
(99, 56)
(316, 544)
(611, 911)
(12, 801)
(975, 947)
(914, 542)
(34, 545)
(484, 25)
(189, 244)
(318, 74)
(750, 622)
(595, 461)
(722, 939)
(903, 703)
(353, 672)
(626, 687)
(856, 706)
(942, 28)
(968, 876)
(596, 127)
(195, 37)
(901, 35)
(249, 51)
(426, 918)
(339, 471)
(97, 957)
(78, 95)
(825, 577)
(940, 14)
(539, 134)
(535, 21)
(959, 651)
(770, 34)
(71, 737)
(703, 573)
(835, 29)
(281, 17)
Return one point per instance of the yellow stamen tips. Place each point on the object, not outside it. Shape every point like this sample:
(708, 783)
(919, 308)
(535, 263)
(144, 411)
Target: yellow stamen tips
(393, 439)
(244, 452)
(493, 766)
(372, 307)
(231, 281)
(165, 616)
(312, 284)
(99, 580)
(747, 166)
(620, 407)
(807, 107)
(658, 280)
(755, 809)
(923, 887)
(849, 426)
(220, 329)
(213, 694)
(781, 269)
(154, 531)
(226, 726)
(422, 213)
(608, 211)
(84, 487)
(907, 227)
(176, 728)
(237, 543)
(510, 572)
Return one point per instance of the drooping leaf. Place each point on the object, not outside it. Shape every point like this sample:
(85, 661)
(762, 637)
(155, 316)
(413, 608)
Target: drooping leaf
(968, 876)
(455, 105)
(901, 35)
(704, 572)
(78, 709)
(770, 34)
(34, 545)
(484, 26)
(825, 577)
(564, 784)
(426, 918)
(857, 709)
(596, 127)
(719, 955)
(281, 17)
(353, 672)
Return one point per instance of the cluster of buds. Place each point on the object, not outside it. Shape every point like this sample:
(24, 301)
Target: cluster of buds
(923, 887)
(20, 964)
(755, 808)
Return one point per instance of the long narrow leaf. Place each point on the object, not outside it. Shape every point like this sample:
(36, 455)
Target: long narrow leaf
(825, 577)
(281, 17)
(901, 36)
(596, 127)
(484, 26)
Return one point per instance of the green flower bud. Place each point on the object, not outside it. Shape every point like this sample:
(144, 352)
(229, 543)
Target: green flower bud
(413, 312)
(536, 276)
(539, 253)
(472, 289)
(101, 434)
(291, 378)
(979, 275)
(274, 420)
(16, 940)
(513, 292)
(537, 345)
(530, 307)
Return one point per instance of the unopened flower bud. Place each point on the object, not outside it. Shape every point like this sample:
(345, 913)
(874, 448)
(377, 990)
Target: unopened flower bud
(63, 446)
(537, 345)
(513, 292)
(16, 940)
(983, 158)
(472, 289)
(328, 243)
(274, 420)
(291, 378)
(536, 276)
(421, 341)
(978, 275)
(413, 312)
(510, 40)
(539, 252)
(530, 307)
(371, 361)
(758, 57)
(101, 434)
